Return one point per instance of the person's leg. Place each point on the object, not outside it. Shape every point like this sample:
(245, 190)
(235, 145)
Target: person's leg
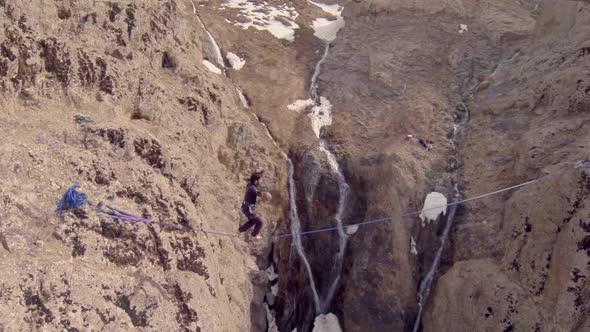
(257, 226)
(246, 226)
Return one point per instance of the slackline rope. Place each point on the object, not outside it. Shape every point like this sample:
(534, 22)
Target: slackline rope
(123, 216)
(375, 221)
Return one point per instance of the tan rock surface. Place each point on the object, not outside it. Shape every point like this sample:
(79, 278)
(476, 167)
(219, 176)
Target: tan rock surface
(529, 120)
(412, 84)
(382, 91)
(171, 141)
(168, 139)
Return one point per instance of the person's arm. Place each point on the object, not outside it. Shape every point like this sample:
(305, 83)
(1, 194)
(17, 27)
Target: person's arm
(266, 196)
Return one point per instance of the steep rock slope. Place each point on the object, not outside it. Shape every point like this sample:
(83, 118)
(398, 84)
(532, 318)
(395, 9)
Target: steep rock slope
(171, 140)
(523, 261)
(404, 67)
(167, 140)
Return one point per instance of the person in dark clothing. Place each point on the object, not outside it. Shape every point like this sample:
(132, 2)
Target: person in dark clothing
(253, 191)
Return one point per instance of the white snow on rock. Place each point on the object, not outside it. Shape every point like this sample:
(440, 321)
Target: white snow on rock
(235, 61)
(321, 116)
(212, 68)
(462, 28)
(434, 204)
(334, 9)
(324, 28)
(413, 249)
(279, 20)
(327, 29)
(326, 323)
(351, 230)
(300, 105)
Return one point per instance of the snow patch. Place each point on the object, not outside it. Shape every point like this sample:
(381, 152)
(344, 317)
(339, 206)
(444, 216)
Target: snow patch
(279, 20)
(462, 28)
(235, 61)
(334, 9)
(300, 105)
(321, 116)
(351, 230)
(212, 68)
(434, 204)
(413, 249)
(326, 323)
(327, 29)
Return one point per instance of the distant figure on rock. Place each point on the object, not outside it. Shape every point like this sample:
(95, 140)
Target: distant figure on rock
(253, 191)
(426, 143)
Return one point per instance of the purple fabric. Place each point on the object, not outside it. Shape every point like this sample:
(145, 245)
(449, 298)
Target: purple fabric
(125, 216)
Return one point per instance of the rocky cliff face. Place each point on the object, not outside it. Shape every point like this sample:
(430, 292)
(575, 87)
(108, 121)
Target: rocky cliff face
(167, 140)
(415, 83)
(408, 68)
(171, 140)
(531, 115)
